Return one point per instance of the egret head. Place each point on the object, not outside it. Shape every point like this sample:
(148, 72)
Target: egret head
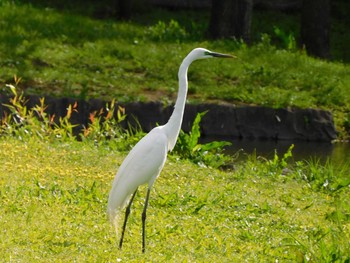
(202, 53)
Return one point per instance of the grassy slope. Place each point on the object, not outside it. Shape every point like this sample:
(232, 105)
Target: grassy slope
(70, 55)
(58, 213)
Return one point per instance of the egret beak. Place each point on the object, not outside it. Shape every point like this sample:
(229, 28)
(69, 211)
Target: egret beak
(219, 55)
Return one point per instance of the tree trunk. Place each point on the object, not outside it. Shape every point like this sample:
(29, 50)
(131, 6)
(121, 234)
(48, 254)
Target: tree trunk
(315, 27)
(231, 19)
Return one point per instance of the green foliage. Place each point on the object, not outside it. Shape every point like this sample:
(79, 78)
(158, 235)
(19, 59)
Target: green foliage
(208, 154)
(167, 32)
(278, 165)
(346, 122)
(323, 177)
(287, 39)
(26, 123)
(108, 129)
(103, 128)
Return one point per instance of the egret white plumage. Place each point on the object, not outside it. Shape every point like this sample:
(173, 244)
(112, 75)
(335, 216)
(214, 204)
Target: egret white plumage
(145, 161)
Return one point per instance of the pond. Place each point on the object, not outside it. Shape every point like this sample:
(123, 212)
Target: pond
(338, 153)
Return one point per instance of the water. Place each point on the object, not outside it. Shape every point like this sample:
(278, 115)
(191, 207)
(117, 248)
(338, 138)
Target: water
(338, 153)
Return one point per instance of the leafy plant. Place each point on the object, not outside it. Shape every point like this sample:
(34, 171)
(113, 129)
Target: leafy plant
(171, 31)
(279, 165)
(324, 177)
(210, 154)
(287, 39)
(24, 123)
(346, 122)
(107, 127)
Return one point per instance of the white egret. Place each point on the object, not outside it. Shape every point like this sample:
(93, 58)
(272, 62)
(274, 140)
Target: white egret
(145, 161)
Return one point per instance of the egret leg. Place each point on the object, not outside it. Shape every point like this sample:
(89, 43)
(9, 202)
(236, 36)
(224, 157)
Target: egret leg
(144, 221)
(127, 212)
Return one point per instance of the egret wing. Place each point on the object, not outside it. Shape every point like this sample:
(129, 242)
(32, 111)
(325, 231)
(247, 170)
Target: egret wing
(142, 165)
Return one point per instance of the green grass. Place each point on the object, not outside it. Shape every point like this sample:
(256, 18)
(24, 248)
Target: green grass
(53, 209)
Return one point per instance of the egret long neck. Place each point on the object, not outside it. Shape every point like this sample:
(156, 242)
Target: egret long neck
(173, 126)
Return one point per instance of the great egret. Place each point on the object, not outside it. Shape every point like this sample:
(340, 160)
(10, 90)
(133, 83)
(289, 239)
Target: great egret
(145, 161)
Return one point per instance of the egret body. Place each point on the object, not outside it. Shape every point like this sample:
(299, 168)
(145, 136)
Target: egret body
(145, 161)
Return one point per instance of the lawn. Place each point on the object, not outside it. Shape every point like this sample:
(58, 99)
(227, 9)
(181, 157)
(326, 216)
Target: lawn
(53, 209)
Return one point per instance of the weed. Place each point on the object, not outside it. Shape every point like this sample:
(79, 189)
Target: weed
(103, 128)
(210, 154)
(24, 123)
(107, 129)
(278, 165)
(324, 177)
(167, 32)
(287, 39)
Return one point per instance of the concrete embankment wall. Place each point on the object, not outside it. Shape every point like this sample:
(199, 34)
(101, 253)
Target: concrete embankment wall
(251, 122)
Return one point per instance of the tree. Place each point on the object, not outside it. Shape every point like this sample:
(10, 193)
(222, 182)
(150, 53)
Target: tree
(231, 18)
(315, 27)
